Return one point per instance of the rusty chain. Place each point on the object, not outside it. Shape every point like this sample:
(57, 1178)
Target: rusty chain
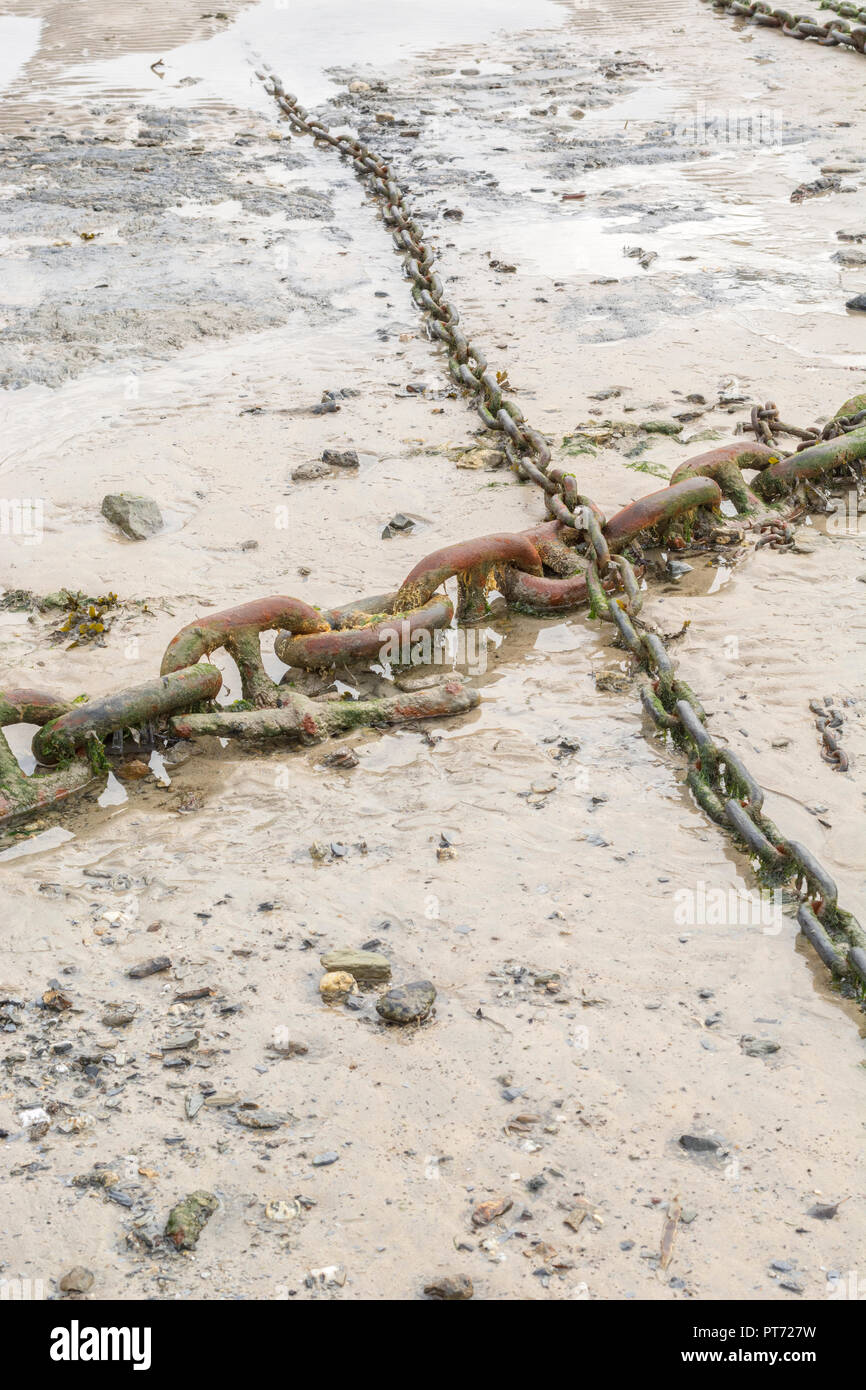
(768, 428)
(575, 558)
(835, 33)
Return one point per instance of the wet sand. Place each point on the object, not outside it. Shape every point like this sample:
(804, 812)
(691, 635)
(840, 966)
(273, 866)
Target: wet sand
(238, 281)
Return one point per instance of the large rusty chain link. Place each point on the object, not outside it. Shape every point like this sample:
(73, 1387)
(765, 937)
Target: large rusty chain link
(575, 558)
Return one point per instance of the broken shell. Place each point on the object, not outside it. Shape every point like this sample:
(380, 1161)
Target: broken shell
(278, 1210)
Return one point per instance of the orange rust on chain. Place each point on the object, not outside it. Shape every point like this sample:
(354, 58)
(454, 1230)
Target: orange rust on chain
(724, 466)
(516, 563)
(539, 592)
(814, 462)
(62, 738)
(25, 706)
(659, 509)
(237, 629)
(552, 531)
(546, 595)
(22, 796)
(335, 646)
(491, 551)
(359, 630)
(205, 635)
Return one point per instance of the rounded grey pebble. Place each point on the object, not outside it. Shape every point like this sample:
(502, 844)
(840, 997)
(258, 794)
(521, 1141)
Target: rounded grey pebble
(407, 1003)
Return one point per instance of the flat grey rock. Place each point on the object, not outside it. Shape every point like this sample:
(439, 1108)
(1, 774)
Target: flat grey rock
(137, 517)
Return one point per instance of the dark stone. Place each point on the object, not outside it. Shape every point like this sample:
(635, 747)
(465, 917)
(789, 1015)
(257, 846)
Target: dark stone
(340, 458)
(396, 524)
(407, 1003)
(698, 1143)
(149, 967)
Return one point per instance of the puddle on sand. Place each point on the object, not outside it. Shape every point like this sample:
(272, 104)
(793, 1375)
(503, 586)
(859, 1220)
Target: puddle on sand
(113, 794)
(43, 840)
(19, 41)
(300, 40)
(743, 226)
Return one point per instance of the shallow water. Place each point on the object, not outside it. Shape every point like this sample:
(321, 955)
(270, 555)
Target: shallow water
(301, 39)
(19, 41)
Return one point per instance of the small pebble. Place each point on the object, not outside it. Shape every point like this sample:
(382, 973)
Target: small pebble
(78, 1280)
(451, 1288)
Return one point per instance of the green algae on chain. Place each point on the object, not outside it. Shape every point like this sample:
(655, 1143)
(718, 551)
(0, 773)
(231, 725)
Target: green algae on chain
(812, 463)
(725, 465)
(95, 753)
(309, 721)
(22, 796)
(854, 407)
(237, 629)
(654, 513)
(658, 510)
(845, 9)
(363, 641)
(27, 706)
(64, 737)
(730, 796)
